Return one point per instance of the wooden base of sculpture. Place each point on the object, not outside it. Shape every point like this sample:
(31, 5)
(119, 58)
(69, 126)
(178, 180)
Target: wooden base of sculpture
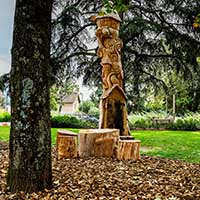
(128, 149)
(98, 142)
(67, 144)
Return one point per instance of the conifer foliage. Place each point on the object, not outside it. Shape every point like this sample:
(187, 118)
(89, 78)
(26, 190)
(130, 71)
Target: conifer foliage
(157, 35)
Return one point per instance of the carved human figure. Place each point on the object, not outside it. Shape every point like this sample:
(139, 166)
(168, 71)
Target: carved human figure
(109, 51)
(113, 112)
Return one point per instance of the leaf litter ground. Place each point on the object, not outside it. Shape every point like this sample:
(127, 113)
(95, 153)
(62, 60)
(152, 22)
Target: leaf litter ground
(104, 178)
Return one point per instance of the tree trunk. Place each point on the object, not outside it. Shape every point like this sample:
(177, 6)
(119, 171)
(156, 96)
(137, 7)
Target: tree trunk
(60, 108)
(30, 141)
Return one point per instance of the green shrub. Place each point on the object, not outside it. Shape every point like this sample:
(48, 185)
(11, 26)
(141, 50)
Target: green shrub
(58, 121)
(143, 123)
(85, 106)
(171, 126)
(5, 117)
(144, 120)
(67, 121)
(94, 112)
(191, 124)
(188, 122)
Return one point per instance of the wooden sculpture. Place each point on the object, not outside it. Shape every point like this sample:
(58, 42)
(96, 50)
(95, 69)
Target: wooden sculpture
(113, 111)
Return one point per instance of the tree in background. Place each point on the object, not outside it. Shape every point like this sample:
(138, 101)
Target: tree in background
(4, 82)
(30, 142)
(85, 106)
(156, 34)
(1, 102)
(53, 99)
(61, 89)
(90, 108)
(96, 95)
(196, 23)
(160, 100)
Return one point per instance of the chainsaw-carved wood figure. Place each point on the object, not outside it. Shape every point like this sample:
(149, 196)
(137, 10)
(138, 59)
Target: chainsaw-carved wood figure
(113, 113)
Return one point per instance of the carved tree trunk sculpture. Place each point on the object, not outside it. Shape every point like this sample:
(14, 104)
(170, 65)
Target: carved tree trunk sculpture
(113, 101)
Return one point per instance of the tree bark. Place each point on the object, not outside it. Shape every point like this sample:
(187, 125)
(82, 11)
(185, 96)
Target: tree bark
(30, 141)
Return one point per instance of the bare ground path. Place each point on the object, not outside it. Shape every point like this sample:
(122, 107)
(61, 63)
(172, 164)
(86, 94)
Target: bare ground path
(92, 178)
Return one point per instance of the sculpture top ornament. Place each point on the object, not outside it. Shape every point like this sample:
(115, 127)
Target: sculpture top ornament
(109, 50)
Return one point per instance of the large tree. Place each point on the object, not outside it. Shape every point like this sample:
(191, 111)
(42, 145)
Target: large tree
(156, 34)
(30, 142)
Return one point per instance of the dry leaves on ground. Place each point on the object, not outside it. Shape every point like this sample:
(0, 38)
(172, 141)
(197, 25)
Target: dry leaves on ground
(104, 178)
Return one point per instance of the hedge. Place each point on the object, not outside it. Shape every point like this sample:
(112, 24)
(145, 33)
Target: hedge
(5, 117)
(59, 121)
(142, 120)
(67, 121)
(188, 122)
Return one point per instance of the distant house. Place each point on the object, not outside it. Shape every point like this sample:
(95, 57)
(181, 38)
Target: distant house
(1, 93)
(71, 103)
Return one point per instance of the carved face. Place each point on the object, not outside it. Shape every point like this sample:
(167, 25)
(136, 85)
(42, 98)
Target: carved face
(106, 43)
(114, 57)
(106, 60)
(106, 68)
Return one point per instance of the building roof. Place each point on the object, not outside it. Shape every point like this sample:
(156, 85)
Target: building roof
(71, 98)
(110, 90)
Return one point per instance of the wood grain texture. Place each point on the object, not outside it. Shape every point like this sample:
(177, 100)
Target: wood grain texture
(98, 142)
(67, 144)
(113, 113)
(128, 150)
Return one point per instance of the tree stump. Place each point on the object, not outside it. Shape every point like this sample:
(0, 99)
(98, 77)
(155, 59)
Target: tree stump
(98, 142)
(67, 144)
(128, 149)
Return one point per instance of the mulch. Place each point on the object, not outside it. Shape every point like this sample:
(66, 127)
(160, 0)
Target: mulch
(150, 178)
(3, 146)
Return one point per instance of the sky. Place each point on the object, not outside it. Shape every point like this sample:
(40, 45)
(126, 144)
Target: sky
(6, 29)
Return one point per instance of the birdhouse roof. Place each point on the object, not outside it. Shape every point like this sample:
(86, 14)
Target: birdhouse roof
(114, 87)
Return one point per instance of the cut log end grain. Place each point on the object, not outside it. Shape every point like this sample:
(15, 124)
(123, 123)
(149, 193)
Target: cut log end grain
(98, 142)
(67, 144)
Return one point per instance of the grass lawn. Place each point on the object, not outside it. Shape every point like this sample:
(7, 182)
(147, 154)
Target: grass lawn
(179, 145)
(54, 131)
(4, 133)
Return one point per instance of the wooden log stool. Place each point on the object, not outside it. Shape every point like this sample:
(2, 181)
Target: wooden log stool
(67, 144)
(128, 148)
(98, 142)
